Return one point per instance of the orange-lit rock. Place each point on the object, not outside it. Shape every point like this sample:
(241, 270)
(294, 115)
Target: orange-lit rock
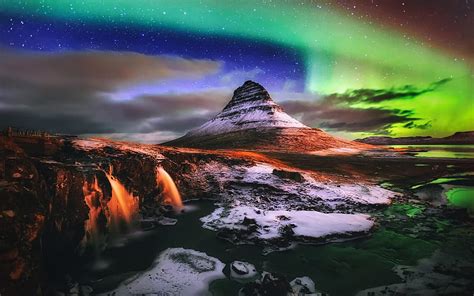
(92, 197)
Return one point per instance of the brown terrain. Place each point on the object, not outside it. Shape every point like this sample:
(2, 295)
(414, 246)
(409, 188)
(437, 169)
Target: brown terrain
(43, 211)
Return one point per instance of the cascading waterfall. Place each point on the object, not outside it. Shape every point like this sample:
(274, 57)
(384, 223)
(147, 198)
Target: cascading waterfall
(169, 190)
(123, 206)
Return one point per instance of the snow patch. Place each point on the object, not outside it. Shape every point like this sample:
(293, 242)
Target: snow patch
(272, 224)
(99, 144)
(303, 286)
(177, 271)
(242, 271)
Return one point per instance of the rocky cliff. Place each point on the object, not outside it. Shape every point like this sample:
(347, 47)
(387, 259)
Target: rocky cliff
(43, 211)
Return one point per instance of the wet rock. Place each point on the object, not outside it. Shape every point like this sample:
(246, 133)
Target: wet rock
(302, 286)
(269, 284)
(42, 206)
(242, 271)
(295, 176)
(249, 221)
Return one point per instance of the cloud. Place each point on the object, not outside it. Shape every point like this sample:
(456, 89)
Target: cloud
(349, 119)
(96, 70)
(338, 112)
(365, 95)
(72, 92)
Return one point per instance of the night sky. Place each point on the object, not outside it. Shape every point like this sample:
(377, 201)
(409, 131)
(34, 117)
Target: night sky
(151, 70)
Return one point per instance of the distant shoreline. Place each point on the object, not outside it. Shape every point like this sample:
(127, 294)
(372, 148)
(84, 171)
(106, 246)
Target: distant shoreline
(458, 138)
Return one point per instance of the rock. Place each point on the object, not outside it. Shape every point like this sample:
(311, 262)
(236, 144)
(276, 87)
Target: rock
(303, 286)
(249, 221)
(86, 290)
(295, 176)
(242, 271)
(269, 284)
(8, 213)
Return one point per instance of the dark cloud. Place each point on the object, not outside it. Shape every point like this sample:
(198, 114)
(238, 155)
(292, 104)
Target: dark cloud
(71, 92)
(337, 111)
(96, 70)
(349, 119)
(365, 95)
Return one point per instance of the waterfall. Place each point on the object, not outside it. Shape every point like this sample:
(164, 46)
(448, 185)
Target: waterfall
(169, 190)
(123, 206)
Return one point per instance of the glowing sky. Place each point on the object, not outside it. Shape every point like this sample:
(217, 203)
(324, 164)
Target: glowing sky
(306, 53)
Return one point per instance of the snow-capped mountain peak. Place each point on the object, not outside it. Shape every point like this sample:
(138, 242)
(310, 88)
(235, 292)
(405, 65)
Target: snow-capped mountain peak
(250, 107)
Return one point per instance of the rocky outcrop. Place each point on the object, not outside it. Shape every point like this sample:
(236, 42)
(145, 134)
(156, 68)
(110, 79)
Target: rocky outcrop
(253, 121)
(42, 206)
(44, 210)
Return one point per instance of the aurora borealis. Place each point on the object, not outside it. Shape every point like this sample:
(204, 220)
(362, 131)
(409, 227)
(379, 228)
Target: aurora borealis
(324, 61)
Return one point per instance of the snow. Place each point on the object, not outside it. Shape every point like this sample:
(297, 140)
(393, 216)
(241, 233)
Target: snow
(331, 194)
(271, 223)
(177, 271)
(302, 208)
(303, 285)
(247, 115)
(99, 144)
(89, 144)
(242, 271)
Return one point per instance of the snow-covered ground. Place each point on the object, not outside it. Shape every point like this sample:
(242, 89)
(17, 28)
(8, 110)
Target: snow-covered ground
(99, 144)
(177, 271)
(267, 225)
(258, 205)
(257, 185)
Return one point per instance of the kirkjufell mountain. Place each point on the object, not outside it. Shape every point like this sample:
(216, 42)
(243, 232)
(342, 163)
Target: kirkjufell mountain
(252, 120)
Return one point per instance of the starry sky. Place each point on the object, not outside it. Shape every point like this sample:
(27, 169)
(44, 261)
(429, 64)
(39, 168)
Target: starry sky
(149, 71)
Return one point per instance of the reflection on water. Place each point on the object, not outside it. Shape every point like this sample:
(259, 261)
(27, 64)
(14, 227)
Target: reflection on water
(444, 151)
(462, 197)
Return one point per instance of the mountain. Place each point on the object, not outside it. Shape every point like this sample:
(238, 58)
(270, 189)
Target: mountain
(252, 120)
(459, 138)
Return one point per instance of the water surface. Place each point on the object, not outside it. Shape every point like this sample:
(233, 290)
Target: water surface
(440, 151)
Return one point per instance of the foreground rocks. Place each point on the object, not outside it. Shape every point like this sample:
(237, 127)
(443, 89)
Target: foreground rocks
(42, 207)
(43, 211)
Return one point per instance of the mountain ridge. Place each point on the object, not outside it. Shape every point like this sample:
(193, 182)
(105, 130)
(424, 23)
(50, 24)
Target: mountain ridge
(252, 120)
